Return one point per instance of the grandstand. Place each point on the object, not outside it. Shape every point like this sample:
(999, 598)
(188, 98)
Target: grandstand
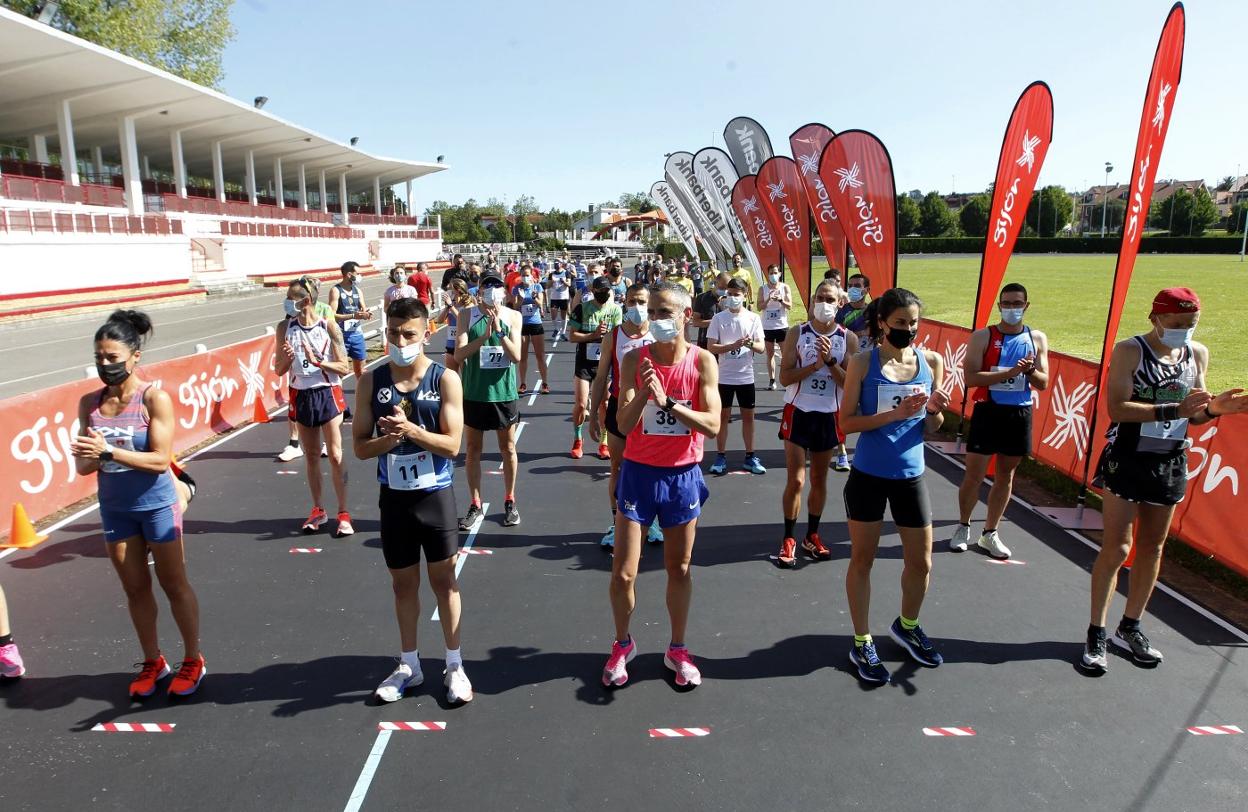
(121, 183)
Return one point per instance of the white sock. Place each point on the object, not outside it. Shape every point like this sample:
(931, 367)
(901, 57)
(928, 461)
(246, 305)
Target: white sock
(412, 659)
(453, 658)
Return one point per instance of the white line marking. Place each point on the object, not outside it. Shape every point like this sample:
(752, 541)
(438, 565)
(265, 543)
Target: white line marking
(472, 537)
(370, 768)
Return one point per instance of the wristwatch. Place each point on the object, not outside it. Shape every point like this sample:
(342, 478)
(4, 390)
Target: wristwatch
(107, 454)
(670, 404)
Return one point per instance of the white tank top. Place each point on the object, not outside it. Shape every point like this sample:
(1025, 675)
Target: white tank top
(775, 314)
(310, 343)
(817, 392)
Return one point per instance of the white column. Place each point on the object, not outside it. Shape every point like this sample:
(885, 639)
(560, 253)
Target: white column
(251, 176)
(218, 172)
(303, 189)
(39, 148)
(179, 162)
(97, 158)
(410, 212)
(377, 195)
(342, 198)
(65, 133)
(278, 191)
(147, 168)
(130, 166)
(324, 197)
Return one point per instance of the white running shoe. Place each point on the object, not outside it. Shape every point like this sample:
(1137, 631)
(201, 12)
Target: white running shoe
(290, 452)
(393, 686)
(961, 538)
(990, 543)
(458, 688)
(324, 450)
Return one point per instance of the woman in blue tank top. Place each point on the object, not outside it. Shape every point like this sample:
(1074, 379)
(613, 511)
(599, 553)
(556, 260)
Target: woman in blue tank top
(529, 297)
(893, 392)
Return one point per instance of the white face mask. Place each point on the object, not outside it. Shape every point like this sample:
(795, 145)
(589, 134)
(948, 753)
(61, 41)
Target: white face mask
(636, 314)
(495, 296)
(404, 356)
(1012, 315)
(734, 302)
(825, 312)
(664, 330)
(1176, 337)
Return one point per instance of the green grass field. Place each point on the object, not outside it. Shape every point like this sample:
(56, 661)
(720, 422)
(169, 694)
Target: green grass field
(1069, 296)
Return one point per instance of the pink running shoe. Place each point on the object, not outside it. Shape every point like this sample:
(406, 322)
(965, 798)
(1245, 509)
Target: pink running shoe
(11, 665)
(616, 672)
(679, 660)
(344, 525)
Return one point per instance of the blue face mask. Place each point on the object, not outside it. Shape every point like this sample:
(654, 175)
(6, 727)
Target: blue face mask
(663, 330)
(636, 314)
(855, 294)
(1012, 315)
(292, 307)
(1177, 337)
(404, 356)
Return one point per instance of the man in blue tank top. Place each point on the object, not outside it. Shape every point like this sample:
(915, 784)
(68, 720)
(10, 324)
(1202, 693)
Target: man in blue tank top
(1004, 364)
(409, 416)
(347, 301)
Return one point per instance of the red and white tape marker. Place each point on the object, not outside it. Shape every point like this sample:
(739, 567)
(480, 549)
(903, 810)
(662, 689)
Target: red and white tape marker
(411, 725)
(475, 551)
(678, 732)
(948, 731)
(1214, 730)
(1005, 561)
(305, 549)
(133, 727)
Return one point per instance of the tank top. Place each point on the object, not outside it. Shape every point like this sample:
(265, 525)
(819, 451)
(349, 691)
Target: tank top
(819, 392)
(1155, 382)
(894, 450)
(489, 376)
(408, 467)
(775, 315)
(307, 343)
(618, 290)
(450, 329)
(349, 303)
(122, 488)
(559, 286)
(624, 343)
(659, 439)
(1004, 350)
(530, 306)
(591, 315)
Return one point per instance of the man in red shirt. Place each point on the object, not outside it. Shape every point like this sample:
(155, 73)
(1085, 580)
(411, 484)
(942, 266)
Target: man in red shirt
(423, 284)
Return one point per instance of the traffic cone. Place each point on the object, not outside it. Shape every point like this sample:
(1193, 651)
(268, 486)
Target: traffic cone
(260, 414)
(23, 533)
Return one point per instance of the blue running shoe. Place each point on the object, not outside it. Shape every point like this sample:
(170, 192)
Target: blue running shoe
(608, 539)
(655, 534)
(720, 466)
(867, 661)
(753, 464)
(916, 644)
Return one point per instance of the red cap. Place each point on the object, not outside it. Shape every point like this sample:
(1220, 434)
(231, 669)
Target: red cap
(1176, 300)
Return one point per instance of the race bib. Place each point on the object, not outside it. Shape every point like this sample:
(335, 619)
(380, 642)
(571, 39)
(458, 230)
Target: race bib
(658, 421)
(1174, 431)
(493, 357)
(774, 315)
(739, 352)
(820, 385)
(890, 395)
(593, 351)
(123, 443)
(411, 472)
(1015, 383)
(529, 310)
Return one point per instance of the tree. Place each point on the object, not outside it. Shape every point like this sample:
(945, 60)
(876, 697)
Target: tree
(907, 215)
(500, 231)
(974, 216)
(184, 37)
(935, 218)
(636, 202)
(1235, 220)
(555, 220)
(525, 204)
(476, 232)
(1184, 213)
(524, 229)
(1225, 184)
(1050, 211)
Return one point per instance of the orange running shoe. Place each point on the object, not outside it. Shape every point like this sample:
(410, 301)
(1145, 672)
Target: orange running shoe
(604, 451)
(814, 548)
(150, 672)
(577, 449)
(189, 676)
(787, 557)
(344, 525)
(316, 518)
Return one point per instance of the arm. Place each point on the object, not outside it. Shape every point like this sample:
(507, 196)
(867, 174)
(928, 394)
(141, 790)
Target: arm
(790, 372)
(1039, 376)
(1118, 386)
(706, 419)
(712, 339)
(598, 388)
(337, 350)
(787, 295)
(465, 349)
(90, 443)
(85, 465)
(939, 400)
(757, 344)
(511, 341)
(363, 443)
(632, 397)
(333, 305)
(283, 356)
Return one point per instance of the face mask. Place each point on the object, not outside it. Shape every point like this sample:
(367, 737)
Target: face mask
(856, 294)
(900, 337)
(735, 302)
(664, 330)
(636, 314)
(1012, 315)
(601, 296)
(825, 312)
(496, 296)
(721, 293)
(1177, 337)
(404, 356)
(292, 307)
(773, 278)
(113, 374)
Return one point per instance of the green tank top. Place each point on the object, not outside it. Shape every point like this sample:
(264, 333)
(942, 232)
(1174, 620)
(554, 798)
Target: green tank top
(489, 384)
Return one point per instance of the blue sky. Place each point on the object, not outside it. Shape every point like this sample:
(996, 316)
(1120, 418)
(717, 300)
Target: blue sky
(575, 103)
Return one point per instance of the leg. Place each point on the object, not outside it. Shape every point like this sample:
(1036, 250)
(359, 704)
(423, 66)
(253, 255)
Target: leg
(818, 496)
(1002, 488)
(916, 550)
(406, 584)
(795, 469)
(747, 429)
(1153, 526)
(864, 538)
(539, 350)
(4, 616)
(310, 437)
(524, 359)
(616, 446)
(721, 439)
(511, 463)
(677, 551)
(472, 463)
(129, 557)
(968, 491)
(624, 573)
(332, 432)
(446, 590)
(770, 348)
(580, 406)
(170, 558)
(1119, 517)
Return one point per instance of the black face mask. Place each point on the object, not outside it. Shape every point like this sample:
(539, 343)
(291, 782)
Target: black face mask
(601, 296)
(113, 374)
(900, 337)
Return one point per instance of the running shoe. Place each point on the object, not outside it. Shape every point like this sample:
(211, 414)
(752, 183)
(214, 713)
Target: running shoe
(344, 525)
(916, 644)
(11, 665)
(393, 686)
(512, 516)
(545, 389)
(470, 519)
(787, 557)
(616, 672)
(290, 452)
(604, 451)
(316, 518)
(720, 466)
(608, 539)
(1094, 657)
(578, 449)
(814, 548)
(524, 389)
(1135, 642)
(961, 538)
(150, 672)
(841, 464)
(680, 661)
(867, 661)
(753, 464)
(990, 542)
(458, 688)
(771, 386)
(324, 451)
(189, 676)
(654, 534)
(347, 417)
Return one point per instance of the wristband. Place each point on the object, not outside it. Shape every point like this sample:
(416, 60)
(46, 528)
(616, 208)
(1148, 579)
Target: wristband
(1210, 414)
(933, 413)
(1165, 412)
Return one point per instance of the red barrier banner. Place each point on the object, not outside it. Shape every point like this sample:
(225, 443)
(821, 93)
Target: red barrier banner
(807, 143)
(212, 392)
(1026, 142)
(858, 174)
(754, 222)
(783, 199)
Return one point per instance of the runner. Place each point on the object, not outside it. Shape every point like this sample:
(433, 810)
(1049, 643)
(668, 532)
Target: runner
(669, 401)
(398, 288)
(423, 285)
(619, 282)
(126, 436)
(887, 389)
(458, 269)
(852, 315)
(293, 450)
(1004, 362)
(487, 347)
(734, 336)
(310, 348)
(707, 304)
(634, 332)
(774, 302)
(411, 419)
(812, 370)
(559, 291)
(590, 321)
(460, 300)
(11, 665)
(529, 298)
(347, 301)
(1156, 387)
(745, 275)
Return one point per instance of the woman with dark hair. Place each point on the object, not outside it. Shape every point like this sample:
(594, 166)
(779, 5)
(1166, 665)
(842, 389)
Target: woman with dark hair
(893, 391)
(126, 436)
(461, 301)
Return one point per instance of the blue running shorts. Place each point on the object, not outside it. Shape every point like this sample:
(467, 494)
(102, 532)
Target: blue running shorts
(675, 495)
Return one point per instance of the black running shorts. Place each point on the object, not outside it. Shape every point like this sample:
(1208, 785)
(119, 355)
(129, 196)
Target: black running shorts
(1000, 429)
(866, 496)
(1154, 479)
(412, 521)
(743, 392)
(484, 416)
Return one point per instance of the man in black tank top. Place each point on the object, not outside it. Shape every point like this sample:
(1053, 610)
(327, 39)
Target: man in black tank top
(1154, 389)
